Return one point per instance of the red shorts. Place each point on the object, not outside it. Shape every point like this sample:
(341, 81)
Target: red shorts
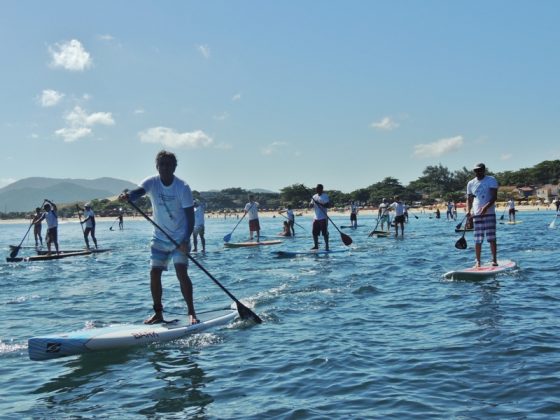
(254, 225)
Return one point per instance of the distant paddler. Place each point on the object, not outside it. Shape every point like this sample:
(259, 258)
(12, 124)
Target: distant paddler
(173, 208)
(37, 226)
(89, 221)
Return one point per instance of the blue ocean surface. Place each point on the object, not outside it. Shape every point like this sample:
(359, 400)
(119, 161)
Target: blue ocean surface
(374, 332)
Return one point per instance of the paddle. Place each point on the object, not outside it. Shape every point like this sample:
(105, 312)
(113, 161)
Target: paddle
(113, 224)
(462, 242)
(551, 226)
(227, 238)
(15, 249)
(460, 224)
(244, 312)
(504, 212)
(295, 223)
(378, 220)
(347, 240)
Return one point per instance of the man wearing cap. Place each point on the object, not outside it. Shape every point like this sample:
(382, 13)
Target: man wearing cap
(482, 192)
(52, 225)
(90, 224)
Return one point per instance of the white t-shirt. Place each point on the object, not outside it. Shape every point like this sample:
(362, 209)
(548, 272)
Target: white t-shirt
(511, 204)
(382, 211)
(290, 215)
(320, 210)
(199, 214)
(481, 191)
(52, 219)
(399, 208)
(252, 208)
(168, 204)
(89, 222)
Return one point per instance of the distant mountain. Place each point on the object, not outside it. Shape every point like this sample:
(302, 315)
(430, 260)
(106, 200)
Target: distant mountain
(28, 193)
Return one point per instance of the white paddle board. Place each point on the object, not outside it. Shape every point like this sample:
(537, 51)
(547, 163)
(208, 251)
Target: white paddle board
(486, 270)
(117, 336)
(251, 243)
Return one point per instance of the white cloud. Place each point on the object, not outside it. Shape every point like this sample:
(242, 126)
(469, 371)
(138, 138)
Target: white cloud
(106, 37)
(70, 134)
(273, 148)
(78, 118)
(79, 123)
(438, 148)
(139, 111)
(506, 156)
(204, 50)
(386, 124)
(50, 97)
(170, 138)
(236, 97)
(70, 55)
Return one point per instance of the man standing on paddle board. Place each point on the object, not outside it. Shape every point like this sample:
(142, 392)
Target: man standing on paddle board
(400, 217)
(511, 211)
(354, 214)
(252, 207)
(482, 192)
(383, 214)
(52, 225)
(37, 227)
(173, 208)
(90, 224)
(320, 202)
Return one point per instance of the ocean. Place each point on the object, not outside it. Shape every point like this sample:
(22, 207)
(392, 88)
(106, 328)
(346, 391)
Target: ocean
(375, 332)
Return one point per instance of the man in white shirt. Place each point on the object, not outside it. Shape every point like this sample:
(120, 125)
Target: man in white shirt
(252, 208)
(199, 226)
(482, 192)
(320, 202)
(173, 211)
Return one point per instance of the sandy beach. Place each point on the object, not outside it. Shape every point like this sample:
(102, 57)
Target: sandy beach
(308, 212)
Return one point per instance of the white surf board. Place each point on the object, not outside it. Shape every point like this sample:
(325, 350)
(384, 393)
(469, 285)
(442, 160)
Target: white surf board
(118, 336)
(485, 270)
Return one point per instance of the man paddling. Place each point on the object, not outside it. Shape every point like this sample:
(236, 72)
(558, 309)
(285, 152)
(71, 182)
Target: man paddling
(482, 192)
(252, 208)
(173, 210)
(90, 224)
(52, 225)
(320, 202)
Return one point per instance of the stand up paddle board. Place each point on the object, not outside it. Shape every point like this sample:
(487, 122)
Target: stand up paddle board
(309, 252)
(517, 222)
(118, 336)
(380, 233)
(251, 243)
(486, 270)
(55, 256)
(349, 227)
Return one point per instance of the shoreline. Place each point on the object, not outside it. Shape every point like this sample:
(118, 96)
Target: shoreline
(302, 213)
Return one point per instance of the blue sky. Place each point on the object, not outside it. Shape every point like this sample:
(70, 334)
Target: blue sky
(263, 94)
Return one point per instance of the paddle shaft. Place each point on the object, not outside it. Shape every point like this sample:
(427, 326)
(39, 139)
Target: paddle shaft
(15, 251)
(239, 304)
(82, 226)
(295, 223)
(378, 220)
(228, 236)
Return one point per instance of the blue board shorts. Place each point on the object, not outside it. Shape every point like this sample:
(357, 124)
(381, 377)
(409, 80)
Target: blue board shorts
(484, 226)
(164, 251)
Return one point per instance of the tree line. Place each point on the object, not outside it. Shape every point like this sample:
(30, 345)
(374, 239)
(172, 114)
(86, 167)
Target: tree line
(437, 183)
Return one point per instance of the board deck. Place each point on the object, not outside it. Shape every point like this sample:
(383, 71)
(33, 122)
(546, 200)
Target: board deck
(251, 243)
(380, 233)
(55, 256)
(486, 270)
(119, 336)
(308, 252)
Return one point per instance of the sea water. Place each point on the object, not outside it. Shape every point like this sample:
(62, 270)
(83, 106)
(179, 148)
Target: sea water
(374, 332)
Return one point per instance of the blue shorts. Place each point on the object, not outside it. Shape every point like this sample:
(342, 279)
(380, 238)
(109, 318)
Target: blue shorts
(163, 251)
(484, 225)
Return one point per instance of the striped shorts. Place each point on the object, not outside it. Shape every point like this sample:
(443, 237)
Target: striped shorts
(484, 226)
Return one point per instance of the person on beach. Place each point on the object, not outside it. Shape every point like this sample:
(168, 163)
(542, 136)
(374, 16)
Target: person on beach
(383, 214)
(320, 202)
(354, 214)
(199, 226)
(173, 211)
(399, 208)
(291, 218)
(511, 209)
(37, 226)
(252, 208)
(52, 225)
(89, 221)
(482, 192)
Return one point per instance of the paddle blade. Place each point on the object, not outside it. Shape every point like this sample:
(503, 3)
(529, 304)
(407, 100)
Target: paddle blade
(461, 243)
(459, 226)
(551, 226)
(111, 228)
(502, 217)
(227, 238)
(14, 252)
(245, 313)
(346, 239)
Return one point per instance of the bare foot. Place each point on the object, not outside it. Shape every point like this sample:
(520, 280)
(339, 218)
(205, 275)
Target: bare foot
(156, 318)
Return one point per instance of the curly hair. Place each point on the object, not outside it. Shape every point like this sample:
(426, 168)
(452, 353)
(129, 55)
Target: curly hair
(165, 154)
